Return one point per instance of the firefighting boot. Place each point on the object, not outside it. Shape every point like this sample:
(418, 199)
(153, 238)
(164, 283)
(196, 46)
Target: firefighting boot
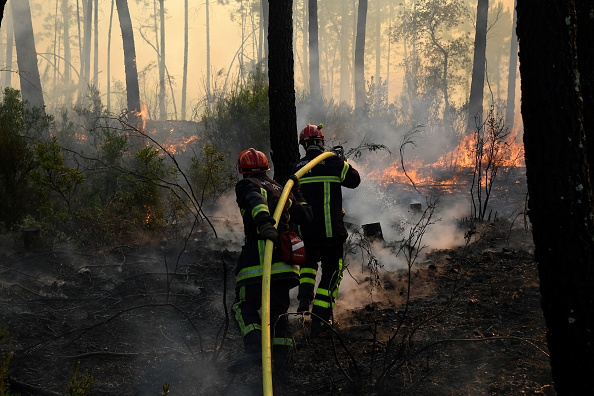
(305, 296)
(303, 305)
(282, 363)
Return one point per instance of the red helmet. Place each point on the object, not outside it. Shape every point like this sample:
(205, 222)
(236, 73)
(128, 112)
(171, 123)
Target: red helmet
(252, 161)
(311, 132)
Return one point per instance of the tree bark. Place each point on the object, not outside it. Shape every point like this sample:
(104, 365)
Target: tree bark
(208, 99)
(585, 37)
(315, 89)
(360, 58)
(109, 57)
(560, 204)
(281, 91)
(185, 67)
(95, 78)
(345, 75)
(8, 22)
(67, 52)
(132, 89)
(162, 109)
(477, 85)
(510, 108)
(31, 90)
(85, 72)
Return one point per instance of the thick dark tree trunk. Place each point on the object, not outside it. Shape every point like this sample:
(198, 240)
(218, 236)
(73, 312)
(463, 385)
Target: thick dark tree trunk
(360, 58)
(27, 55)
(281, 91)
(477, 85)
(560, 205)
(132, 89)
(585, 37)
(510, 108)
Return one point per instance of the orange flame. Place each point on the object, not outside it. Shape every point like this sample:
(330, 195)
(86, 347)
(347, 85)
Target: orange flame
(451, 169)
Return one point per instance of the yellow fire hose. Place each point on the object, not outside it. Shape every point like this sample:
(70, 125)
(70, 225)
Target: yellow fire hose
(266, 275)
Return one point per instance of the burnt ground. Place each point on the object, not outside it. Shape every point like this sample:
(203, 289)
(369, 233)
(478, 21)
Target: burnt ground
(138, 317)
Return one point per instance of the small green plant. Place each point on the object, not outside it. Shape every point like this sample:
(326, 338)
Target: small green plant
(80, 385)
(165, 389)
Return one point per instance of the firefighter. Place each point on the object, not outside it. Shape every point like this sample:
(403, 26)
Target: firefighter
(325, 235)
(257, 196)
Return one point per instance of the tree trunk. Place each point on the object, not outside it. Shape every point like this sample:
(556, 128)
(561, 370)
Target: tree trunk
(162, 109)
(315, 89)
(559, 188)
(85, 72)
(208, 99)
(378, 48)
(477, 85)
(360, 58)
(185, 68)
(585, 37)
(67, 53)
(281, 91)
(31, 90)
(345, 75)
(264, 30)
(109, 57)
(510, 108)
(132, 89)
(95, 78)
(9, 45)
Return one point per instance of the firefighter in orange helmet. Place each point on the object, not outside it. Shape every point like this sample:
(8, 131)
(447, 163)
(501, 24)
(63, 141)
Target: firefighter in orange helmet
(257, 196)
(325, 235)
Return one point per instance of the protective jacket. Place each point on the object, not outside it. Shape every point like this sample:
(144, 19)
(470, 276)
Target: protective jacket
(257, 196)
(321, 188)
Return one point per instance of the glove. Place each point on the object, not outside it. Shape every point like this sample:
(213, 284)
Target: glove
(339, 151)
(296, 182)
(267, 231)
(296, 189)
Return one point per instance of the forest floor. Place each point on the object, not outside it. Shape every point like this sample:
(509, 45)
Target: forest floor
(136, 319)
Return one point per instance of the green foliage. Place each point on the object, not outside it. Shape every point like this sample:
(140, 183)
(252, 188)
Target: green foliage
(240, 118)
(5, 357)
(18, 127)
(141, 195)
(211, 174)
(52, 175)
(80, 385)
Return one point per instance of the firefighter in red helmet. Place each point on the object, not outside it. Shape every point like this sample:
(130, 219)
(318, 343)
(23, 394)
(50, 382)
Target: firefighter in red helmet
(325, 235)
(257, 196)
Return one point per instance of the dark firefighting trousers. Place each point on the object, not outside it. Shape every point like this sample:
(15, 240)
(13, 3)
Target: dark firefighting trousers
(248, 300)
(331, 257)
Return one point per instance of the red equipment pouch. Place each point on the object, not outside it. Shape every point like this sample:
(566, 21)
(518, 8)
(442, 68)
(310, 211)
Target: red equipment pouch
(291, 248)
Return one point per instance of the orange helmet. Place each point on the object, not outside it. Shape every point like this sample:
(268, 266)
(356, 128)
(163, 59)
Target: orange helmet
(311, 133)
(252, 161)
